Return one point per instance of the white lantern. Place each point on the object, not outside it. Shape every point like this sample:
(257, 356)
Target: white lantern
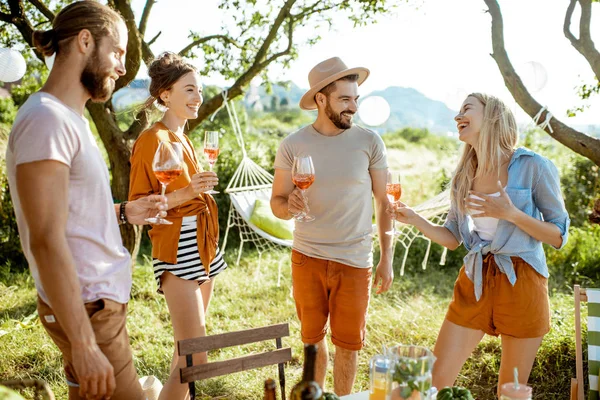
(12, 65)
(50, 61)
(534, 76)
(374, 110)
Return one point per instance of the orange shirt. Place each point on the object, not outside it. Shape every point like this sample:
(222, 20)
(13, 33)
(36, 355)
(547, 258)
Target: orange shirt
(165, 238)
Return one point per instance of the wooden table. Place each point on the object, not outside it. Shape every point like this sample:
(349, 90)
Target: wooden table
(357, 396)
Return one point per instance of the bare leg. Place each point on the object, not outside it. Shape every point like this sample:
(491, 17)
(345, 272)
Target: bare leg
(187, 308)
(518, 353)
(321, 364)
(206, 289)
(344, 370)
(452, 348)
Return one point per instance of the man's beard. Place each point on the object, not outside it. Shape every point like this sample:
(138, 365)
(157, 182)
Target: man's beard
(336, 119)
(95, 80)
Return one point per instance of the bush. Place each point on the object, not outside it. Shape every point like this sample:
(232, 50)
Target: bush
(578, 261)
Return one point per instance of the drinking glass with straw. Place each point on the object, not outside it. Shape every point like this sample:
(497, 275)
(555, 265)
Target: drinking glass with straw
(515, 390)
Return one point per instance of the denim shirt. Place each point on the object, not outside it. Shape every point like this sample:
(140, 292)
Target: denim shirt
(534, 188)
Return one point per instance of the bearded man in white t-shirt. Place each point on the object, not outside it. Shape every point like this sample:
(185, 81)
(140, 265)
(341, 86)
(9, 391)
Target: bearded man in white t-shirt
(332, 255)
(61, 194)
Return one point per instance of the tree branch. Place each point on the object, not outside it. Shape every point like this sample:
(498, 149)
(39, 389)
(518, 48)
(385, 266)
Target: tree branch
(154, 38)
(43, 9)
(5, 17)
(145, 17)
(577, 141)
(567, 24)
(287, 50)
(205, 39)
(22, 23)
(139, 124)
(584, 45)
(134, 44)
(214, 103)
(147, 54)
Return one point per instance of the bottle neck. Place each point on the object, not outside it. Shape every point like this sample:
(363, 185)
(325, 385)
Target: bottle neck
(310, 358)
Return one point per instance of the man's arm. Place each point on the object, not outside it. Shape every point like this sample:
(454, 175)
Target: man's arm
(384, 275)
(43, 188)
(286, 199)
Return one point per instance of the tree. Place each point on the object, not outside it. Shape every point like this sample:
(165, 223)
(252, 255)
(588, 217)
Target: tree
(577, 141)
(256, 37)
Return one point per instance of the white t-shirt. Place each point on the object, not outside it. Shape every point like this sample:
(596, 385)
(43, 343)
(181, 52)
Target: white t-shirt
(47, 129)
(485, 227)
(340, 198)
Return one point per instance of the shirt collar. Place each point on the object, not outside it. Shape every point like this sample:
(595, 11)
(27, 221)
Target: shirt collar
(521, 151)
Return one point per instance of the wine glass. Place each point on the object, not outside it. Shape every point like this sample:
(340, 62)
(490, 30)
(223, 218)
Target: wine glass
(167, 165)
(393, 189)
(303, 175)
(211, 151)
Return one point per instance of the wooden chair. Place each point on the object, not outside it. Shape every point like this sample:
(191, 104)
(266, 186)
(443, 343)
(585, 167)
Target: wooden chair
(41, 390)
(592, 297)
(189, 347)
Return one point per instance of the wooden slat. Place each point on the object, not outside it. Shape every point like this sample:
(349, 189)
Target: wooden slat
(218, 368)
(578, 348)
(206, 343)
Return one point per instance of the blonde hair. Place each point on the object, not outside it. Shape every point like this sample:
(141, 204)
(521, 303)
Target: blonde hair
(497, 139)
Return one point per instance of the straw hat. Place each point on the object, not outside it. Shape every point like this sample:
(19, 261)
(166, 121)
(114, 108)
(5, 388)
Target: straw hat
(151, 387)
(323, 74)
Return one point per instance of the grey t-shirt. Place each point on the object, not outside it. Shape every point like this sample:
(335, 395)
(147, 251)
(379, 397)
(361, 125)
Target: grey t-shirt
(340, 199)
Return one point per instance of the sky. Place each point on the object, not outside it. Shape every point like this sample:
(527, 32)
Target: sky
(438, 47)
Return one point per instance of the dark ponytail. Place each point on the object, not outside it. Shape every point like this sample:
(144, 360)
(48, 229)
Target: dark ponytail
(97, 18)
(45, 42)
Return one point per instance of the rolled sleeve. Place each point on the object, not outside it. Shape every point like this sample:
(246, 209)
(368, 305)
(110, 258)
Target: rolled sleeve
(548, 198)
(451, 224)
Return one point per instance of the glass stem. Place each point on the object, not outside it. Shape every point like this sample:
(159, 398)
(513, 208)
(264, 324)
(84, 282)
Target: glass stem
(306, 209)
(162, 193)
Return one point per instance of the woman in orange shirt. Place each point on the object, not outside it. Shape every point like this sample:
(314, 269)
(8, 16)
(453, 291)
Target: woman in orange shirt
(185, 254)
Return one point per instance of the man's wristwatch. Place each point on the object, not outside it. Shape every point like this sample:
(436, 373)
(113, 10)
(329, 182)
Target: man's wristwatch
(122, 216)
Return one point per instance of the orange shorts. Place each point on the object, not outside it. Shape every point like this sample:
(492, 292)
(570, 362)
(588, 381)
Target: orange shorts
(520, 311)
(325, 290)
(108, 322)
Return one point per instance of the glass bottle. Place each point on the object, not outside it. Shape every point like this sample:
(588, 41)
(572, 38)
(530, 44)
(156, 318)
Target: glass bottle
(307, 388)
(270, 393)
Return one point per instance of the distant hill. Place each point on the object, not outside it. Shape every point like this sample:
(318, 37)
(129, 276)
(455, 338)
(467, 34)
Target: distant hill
(408, 107)
(411, 108)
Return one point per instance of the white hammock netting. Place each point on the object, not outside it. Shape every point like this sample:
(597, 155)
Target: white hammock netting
(251, 182)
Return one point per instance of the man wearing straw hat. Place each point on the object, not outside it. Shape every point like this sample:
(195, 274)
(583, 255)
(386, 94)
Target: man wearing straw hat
(332, 255)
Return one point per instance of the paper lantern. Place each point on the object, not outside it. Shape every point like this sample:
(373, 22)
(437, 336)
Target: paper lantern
(50, 61)
(12, 65)
(534, 76)
(374, 110)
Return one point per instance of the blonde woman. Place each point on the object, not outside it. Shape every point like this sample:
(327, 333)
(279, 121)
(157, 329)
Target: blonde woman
(505, 202)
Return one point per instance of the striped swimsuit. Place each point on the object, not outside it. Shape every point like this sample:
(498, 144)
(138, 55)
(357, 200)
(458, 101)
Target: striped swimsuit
(189, 265)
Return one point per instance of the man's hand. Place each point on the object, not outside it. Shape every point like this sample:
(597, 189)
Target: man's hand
(296, 203)
(384, 276)
(95, 374)
(138, 210)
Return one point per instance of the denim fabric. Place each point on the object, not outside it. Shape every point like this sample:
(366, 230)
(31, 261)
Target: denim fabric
(534, 188)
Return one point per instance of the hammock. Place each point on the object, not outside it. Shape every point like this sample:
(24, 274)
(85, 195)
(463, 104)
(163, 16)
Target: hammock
(251, 182)
(435, 210)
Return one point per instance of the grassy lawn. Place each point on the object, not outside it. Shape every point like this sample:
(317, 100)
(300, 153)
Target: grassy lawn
(246, 297)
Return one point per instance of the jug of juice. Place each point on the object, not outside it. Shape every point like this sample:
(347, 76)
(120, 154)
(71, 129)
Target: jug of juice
(379, 385)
